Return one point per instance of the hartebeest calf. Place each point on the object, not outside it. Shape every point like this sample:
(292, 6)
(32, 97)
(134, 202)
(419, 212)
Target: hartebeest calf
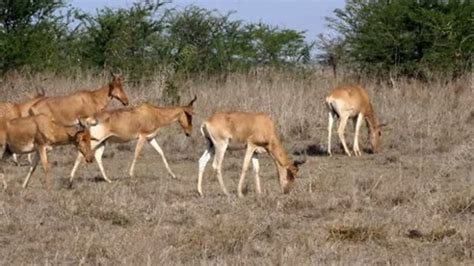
(258, 132)
(67, 109)
(10, 110)
(141, 123)
(39, 134)
(346, 102)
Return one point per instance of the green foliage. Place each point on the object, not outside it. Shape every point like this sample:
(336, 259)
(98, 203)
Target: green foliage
(140, 40)
(407, 37)
(29, 34)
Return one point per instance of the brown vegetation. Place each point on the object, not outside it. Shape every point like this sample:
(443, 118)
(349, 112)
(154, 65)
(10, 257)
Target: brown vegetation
(409, 204)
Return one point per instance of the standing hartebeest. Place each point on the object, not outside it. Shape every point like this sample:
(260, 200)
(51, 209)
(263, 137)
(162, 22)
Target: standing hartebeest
(258, 131)
(10, 110)
(346, 102)
(142, 123)
(67, 109)
(40, 133)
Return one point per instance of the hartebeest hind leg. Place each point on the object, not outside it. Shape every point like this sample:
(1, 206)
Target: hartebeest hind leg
(34, 164)
(248, 156)
(330, 125)
(340, 132)
(158, 149)
(206, 156)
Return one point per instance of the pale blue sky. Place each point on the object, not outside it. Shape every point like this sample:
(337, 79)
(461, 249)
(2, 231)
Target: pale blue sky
(298, 14)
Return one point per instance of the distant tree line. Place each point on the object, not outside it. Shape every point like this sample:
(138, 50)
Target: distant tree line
(47, 35)
(418, 38)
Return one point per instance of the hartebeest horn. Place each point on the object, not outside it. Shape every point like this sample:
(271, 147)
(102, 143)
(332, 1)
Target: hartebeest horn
(192, 101)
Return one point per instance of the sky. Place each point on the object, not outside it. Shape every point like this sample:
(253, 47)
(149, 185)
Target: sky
(301, 15)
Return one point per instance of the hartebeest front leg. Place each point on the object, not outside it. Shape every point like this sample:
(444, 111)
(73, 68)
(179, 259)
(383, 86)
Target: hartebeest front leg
(44, 161)
(158, 149)
(340, 132)
(256, 169)
(138, 149)
(245, 166)
(99, 152)
(358, 124)
(220, 147)
(34, 164)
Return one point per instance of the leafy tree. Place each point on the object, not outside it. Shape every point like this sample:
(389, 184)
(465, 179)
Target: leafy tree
(408, 37)
(29, 33)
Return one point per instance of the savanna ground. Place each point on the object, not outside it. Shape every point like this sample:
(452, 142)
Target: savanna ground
(411, 204)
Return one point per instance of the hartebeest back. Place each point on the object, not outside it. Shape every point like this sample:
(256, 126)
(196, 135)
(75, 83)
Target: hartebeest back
(40, 133)
(67, 109)
(258, 131)
(141, 123)
(10, 110)
(346, 102)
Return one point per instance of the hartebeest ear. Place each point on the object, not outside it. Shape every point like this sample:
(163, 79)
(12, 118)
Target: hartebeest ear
(86, 122)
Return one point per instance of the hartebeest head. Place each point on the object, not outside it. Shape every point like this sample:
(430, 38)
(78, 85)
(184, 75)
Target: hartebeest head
(291, 174)
(82, 137)
(116, 89)
(82, 140)
(186, 117)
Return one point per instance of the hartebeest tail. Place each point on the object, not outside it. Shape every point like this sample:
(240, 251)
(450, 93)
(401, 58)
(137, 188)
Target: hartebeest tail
(346, 102)
(141, 123)
(67, 109)
(258, 132)
(40, 133)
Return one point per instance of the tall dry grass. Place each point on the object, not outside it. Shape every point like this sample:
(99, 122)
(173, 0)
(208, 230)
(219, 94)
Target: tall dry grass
(422, 116)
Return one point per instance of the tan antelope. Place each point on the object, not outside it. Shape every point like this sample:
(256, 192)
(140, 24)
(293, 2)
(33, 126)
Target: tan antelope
(349, 101)
(11, 110)
(258, 132)
(140, 123)
(39, 134)
(67, 109)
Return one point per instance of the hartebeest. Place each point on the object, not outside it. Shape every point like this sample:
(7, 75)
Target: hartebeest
(67, 109)
(346, 102)
(39, 134)
(258, 132)
(141, 123)
(11, 110)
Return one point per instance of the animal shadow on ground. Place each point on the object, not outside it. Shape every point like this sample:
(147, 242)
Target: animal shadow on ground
(311, 150)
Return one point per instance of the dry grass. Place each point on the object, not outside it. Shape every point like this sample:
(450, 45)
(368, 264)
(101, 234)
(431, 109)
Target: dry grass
(411, 204)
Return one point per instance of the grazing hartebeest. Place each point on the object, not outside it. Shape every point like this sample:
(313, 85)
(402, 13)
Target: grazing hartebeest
(258, 131)
(142, 123)
(67, 109)
(40, 133)
(9, 111)
(346, 102)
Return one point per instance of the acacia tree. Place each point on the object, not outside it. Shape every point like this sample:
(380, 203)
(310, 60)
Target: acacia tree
(407, 37)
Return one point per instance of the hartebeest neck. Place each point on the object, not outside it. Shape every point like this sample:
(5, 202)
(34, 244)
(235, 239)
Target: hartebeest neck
(64, 134)
(101, 97)
(371, 119)
(278, 152)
